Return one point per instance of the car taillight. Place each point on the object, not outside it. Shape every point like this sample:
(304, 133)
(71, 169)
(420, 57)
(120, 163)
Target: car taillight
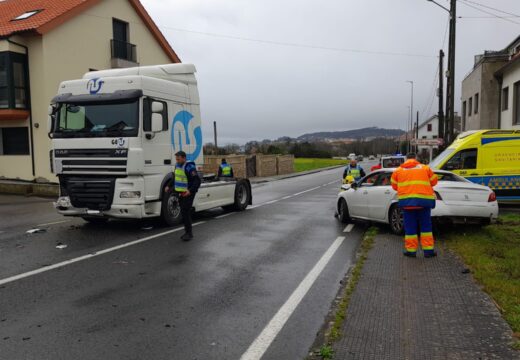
(438, 196)
(492, 197)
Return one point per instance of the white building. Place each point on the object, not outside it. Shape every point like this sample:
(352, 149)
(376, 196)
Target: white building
(509, 79)
(429, 129)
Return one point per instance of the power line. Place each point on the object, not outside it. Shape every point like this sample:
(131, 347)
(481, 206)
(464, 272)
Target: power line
(486, 17)
(491, 8)
(465, 2)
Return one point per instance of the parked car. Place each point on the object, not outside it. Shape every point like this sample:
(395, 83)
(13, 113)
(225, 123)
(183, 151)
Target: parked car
(360, 158)
(371, 157)
(458, 200)
(352, 156)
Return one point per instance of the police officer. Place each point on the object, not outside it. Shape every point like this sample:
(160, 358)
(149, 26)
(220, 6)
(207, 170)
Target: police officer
(414, 184)
(354, 170)
(225, 170)
(186, 185)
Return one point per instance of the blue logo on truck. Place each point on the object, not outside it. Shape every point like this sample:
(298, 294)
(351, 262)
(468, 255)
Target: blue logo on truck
(184, 117)
(94, 86)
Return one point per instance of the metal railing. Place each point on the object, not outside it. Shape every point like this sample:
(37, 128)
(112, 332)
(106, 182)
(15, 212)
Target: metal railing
(123, 50)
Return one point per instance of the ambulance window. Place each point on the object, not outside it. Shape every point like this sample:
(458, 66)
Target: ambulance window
(464, 159)
(147, 114)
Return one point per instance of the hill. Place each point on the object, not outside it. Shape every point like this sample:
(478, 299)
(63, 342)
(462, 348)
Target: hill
(365, 133)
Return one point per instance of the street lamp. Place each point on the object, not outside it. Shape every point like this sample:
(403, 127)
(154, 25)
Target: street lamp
(411, 114)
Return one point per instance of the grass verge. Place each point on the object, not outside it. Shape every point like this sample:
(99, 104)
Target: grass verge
(492, 254)
(306, 164)
(339, 313)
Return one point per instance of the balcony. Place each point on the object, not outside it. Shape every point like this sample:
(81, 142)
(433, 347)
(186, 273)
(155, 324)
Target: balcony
(123, 54)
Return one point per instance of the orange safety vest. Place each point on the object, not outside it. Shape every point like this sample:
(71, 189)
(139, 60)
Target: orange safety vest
(414, 184)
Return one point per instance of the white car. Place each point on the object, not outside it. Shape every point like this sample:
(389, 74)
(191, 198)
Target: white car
(458, 200)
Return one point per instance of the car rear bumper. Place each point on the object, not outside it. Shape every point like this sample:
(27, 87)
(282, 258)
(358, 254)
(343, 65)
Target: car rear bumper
(465, 213)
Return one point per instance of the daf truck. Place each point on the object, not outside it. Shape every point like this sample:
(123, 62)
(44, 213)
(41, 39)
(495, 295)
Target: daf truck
(114, 136)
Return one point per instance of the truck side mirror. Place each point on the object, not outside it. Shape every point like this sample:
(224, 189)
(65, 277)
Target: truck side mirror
(157, 122)
(157, 107)
(50, 119)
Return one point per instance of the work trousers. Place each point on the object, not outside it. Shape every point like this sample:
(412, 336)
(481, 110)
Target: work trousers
(415, 221)
(186, 204)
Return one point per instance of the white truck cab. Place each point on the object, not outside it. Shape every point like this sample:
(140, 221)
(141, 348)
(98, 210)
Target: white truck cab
(114, 135)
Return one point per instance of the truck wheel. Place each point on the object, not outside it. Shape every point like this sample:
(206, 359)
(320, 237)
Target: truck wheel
(242, 197)
(343, 214)
(170, 209)
(396, 220)
(95, 220)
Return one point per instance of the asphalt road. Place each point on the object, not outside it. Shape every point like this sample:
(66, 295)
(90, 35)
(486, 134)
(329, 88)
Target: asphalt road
(255, 284)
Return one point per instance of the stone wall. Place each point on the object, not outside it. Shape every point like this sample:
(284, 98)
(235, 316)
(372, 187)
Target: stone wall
(237, 162)
(285, 164)
(266, 165)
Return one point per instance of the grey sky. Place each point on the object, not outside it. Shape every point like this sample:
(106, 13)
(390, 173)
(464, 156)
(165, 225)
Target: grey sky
(256, 90)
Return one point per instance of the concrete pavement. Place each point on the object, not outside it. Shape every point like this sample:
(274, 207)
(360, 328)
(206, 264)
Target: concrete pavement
(422, 309)
(123, 291)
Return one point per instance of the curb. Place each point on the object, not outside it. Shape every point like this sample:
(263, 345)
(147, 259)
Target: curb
(29, 189)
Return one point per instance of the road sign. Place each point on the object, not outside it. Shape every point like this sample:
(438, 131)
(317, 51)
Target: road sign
(427, 142)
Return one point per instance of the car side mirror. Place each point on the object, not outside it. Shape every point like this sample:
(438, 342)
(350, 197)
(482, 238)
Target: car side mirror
(354, 185)
(157, 122)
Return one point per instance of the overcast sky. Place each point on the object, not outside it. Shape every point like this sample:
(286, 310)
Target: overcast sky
(257, 90)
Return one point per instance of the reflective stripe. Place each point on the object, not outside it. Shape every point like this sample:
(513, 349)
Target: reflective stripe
(427, 247)
(417, 196)
(414, 182)
(393, 181)
(410, 237)
(181, 179)
(427, 234)
(355, 172)
(433, 177)
(410, 250)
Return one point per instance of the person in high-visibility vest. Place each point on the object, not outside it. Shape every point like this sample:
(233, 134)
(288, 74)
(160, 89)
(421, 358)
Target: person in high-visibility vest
(186, 185)
(414, 184)
(225, 170)
(354, 170)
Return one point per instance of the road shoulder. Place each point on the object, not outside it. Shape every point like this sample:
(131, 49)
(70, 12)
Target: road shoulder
(420, 308)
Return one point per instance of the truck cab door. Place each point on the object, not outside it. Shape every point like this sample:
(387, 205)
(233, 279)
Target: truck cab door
(465, 164)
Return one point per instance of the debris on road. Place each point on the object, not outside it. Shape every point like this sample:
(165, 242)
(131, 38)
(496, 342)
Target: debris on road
(61, 246)
(36, 231)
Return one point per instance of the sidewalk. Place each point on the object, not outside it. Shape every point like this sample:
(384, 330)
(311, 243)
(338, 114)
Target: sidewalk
(422, 309)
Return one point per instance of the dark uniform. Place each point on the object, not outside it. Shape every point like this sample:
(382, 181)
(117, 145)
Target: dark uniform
(186, 179)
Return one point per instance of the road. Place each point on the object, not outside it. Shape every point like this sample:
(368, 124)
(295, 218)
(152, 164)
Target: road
(255, 284)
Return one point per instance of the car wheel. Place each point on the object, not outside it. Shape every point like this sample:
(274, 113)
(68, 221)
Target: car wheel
(396, 220)
(170, 209)
(242, 197)
(95, 220)
(343, 214)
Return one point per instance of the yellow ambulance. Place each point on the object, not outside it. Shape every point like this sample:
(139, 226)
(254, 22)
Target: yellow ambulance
(486, 157)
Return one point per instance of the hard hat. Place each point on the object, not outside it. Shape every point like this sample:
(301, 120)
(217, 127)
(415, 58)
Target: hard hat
(349, 179)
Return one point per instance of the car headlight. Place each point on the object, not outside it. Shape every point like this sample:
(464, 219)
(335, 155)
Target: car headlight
(130, 194)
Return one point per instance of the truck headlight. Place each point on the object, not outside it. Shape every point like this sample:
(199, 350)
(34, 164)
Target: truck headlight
(130, 194)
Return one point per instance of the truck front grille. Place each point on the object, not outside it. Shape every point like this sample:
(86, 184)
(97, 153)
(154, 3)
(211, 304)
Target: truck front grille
(90, 193)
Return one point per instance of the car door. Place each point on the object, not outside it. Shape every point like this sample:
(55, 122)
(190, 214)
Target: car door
(358, 197)
(380, 196)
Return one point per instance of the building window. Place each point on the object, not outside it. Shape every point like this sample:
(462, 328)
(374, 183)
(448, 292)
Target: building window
(516, 103)
(464, 115)
(121, 47)
(470, 106)
(429, 127)
(13, 81)
(476, 104)
(14, 141)
(505, 98)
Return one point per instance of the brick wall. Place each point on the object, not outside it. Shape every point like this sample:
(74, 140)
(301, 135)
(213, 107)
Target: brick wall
(266, 165)
(285, 164)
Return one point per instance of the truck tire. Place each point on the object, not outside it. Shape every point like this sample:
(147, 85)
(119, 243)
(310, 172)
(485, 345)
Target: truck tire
(170, 209)
(395, 219)
(242, 197)
(343, 214)
(95, 220)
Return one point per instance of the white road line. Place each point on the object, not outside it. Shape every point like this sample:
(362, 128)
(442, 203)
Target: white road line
(271, 202)
(287, 197)
(54, 223)
(224, 215)
(266, 337)
(348, 228)
(306, 191)
(284, 198)
(88, 256)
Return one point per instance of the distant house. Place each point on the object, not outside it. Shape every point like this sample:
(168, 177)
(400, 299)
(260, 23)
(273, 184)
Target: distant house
(429, 129)
(47, 41)
(486, 95)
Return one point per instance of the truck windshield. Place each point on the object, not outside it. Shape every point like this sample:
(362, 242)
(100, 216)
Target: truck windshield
(97, 120)
(441, 157)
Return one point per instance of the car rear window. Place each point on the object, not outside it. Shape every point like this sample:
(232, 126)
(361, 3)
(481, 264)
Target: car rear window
(450, 177)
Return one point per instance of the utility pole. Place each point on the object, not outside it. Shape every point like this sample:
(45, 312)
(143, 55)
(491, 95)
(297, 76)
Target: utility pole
(449, 119)
(450, 86)
(440, 94)
(411, 116)
(215, 135)
(417, 131)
